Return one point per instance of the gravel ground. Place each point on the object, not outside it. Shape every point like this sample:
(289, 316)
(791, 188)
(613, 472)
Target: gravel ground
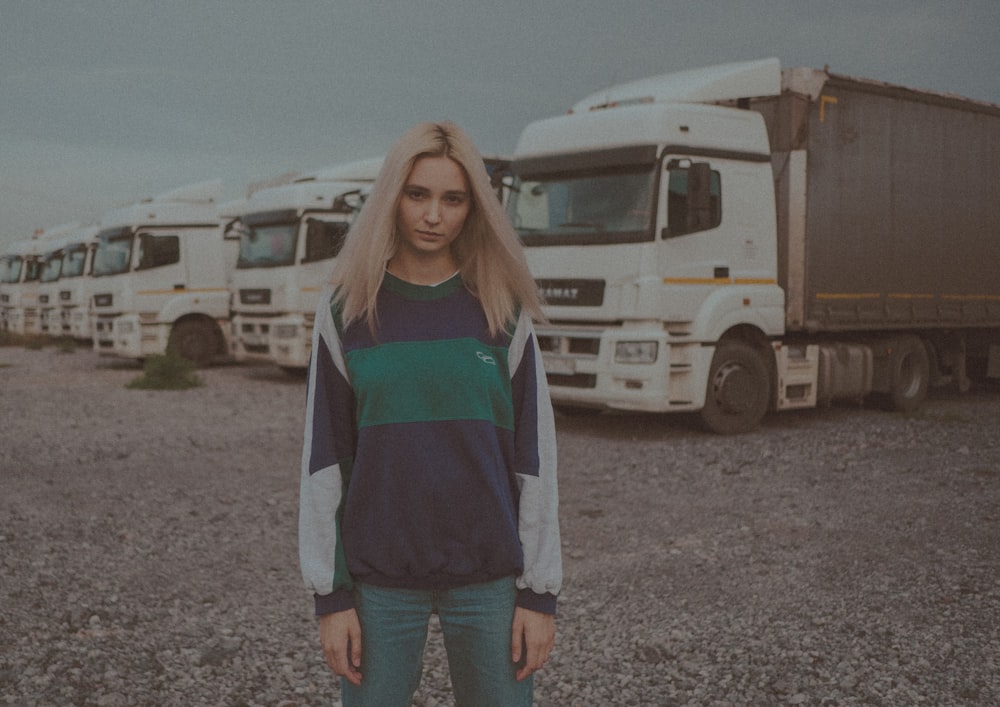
(843, 556)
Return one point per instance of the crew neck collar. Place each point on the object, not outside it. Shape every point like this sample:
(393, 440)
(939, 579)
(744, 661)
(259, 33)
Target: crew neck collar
(422, 292)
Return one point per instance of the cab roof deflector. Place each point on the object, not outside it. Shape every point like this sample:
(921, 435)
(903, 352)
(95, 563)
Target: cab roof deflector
(724, 82)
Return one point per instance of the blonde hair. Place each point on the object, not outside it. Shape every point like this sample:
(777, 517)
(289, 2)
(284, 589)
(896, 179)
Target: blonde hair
(487, 251)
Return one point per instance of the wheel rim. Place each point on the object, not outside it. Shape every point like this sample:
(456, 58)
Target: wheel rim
(735, 389)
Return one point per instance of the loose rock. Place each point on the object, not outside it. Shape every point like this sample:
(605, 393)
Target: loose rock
(835, 557)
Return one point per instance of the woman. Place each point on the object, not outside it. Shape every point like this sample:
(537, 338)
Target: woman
(429, 463)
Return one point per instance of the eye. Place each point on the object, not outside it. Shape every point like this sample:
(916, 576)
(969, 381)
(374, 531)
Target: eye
(455, 199)
(414, 194)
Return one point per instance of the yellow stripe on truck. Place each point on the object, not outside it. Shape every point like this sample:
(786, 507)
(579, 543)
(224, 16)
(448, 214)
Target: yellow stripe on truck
(718, 281)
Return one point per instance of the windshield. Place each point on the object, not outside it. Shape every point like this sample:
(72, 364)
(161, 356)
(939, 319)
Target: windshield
(113, 254)
(32, 269)
(565, 209)
(268, 245)
(73, 261)
(51, 267)
(10, 269)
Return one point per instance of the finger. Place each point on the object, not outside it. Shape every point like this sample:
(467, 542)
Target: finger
(352, 676)
(341, 667)
(352, 657)
(530, 663)
(516, 640)
(355, 647)
(524, 672)
(538, 652)
(337, 658)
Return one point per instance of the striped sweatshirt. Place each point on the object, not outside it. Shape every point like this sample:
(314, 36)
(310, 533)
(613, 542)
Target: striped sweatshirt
(429, 457)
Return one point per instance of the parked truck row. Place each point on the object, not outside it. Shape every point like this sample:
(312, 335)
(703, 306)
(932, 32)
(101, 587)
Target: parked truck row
(723, 241)
(183, 272)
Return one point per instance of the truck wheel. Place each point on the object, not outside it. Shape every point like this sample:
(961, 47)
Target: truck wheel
(909, 374)
(194, 339)
(738, 389)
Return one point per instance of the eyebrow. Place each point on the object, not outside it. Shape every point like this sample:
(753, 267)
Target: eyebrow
(450, 192)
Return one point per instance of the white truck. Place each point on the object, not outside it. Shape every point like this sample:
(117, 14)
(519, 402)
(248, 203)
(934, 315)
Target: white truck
(19, 271)
(742, 238)
(161, 277)
(289, 235)
(64, 292)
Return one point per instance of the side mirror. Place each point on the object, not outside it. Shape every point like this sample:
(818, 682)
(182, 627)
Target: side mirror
(699, 196)
(348, 202)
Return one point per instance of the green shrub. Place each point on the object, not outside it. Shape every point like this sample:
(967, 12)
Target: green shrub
(34, 342)
(166, 373)
(37, 342)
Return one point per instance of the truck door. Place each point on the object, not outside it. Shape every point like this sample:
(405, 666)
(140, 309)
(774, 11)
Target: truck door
(160, 272)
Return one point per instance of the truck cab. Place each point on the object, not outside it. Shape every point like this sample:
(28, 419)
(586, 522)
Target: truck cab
(20, 270)
(288, 237)
(63, 290)
(648, 221)
(161, 277)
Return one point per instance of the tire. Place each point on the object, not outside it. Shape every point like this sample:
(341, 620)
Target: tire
(909, 374)
(197, 340)
(738, 391)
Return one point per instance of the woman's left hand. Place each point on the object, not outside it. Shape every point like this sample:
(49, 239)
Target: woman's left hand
(533, 636)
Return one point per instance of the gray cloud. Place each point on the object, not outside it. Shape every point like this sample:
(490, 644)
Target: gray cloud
(110, 101)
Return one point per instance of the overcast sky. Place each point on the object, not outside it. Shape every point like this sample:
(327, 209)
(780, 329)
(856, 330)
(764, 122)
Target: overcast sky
(105, 102)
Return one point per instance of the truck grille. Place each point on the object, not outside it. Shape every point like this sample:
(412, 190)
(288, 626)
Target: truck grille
(570, 344)
(577, 380)
(572, 292)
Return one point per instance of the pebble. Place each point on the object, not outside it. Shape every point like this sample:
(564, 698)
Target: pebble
(842, 556)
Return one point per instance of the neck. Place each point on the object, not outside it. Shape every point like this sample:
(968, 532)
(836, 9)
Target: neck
(419, 271)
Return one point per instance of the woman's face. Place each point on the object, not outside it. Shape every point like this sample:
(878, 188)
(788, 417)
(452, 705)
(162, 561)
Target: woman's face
(433, 206)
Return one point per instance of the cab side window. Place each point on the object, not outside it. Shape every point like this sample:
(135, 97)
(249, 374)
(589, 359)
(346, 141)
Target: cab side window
(694, 198)
(324, 239)
(157, 251)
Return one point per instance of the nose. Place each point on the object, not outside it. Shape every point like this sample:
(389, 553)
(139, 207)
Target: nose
(433, 212)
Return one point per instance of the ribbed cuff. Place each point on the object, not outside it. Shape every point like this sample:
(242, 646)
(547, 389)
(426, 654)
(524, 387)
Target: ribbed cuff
(340, 600)
(542, 603)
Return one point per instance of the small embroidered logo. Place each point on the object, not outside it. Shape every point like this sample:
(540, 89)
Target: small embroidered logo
(486, 358)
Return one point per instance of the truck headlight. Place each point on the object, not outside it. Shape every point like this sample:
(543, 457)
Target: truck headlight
(636, 351)
(286, 331)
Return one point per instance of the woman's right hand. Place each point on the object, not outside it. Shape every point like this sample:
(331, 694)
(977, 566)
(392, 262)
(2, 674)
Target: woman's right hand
(340, 636)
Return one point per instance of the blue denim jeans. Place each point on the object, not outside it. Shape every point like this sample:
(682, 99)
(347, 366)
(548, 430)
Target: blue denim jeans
(476, 624)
